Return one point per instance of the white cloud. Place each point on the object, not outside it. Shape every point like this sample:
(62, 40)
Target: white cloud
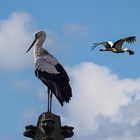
(76, 31)
(15, 35)
(130, 114)
(121, 127)
(111, 130)
(99, 92)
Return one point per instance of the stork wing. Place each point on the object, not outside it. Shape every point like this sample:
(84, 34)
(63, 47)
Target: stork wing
(54, 76)
(106, 44)
(62, 72)
(47, 64)
(50, 64)
(118, 44)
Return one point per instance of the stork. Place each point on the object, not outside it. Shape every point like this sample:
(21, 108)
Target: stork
(116, 47)
(50, 72)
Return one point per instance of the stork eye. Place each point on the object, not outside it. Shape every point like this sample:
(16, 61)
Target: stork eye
(37, 35)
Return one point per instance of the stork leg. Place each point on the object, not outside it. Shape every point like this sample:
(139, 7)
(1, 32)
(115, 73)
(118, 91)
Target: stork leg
(50, 101)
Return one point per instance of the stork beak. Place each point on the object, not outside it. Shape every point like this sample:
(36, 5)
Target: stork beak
(32, 44)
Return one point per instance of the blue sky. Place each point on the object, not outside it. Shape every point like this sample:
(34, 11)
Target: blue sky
(105, 85)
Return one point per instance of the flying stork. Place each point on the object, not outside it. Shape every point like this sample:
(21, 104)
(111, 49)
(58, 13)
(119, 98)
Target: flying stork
(116, 47)
(50, 72)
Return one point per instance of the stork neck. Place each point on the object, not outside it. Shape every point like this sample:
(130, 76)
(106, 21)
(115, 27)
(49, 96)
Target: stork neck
(37, 49)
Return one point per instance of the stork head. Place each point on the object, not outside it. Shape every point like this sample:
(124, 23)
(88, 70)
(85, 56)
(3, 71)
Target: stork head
(39, 36)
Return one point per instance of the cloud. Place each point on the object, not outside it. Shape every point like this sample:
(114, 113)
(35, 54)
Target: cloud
(15, 35)
(99, 97)
(122, 127)
(130, 113)
(76, 31)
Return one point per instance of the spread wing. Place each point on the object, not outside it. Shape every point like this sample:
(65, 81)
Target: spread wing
(106, 44)
(118, 44)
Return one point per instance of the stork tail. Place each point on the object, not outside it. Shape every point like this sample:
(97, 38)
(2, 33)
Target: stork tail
(131, 52)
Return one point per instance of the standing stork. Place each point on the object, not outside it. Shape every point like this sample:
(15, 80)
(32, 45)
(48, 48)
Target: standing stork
(117, 46)
(50, 72)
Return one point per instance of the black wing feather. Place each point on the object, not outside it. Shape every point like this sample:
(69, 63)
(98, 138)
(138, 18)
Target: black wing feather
(119, 43)
(57, 83)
